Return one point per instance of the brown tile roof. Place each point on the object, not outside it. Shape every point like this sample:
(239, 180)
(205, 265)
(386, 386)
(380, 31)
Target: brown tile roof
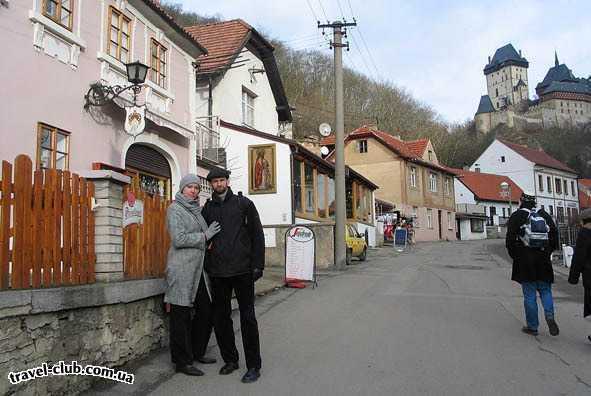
(328, 141)
(396, 145)
(538, 157)
(418, 146)
(585, 193)
(155, 5)
(486, 186)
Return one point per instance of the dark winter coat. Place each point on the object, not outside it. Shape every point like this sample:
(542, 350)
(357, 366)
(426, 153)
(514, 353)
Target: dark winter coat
(239, 247)
(529, 264)
(581, 264)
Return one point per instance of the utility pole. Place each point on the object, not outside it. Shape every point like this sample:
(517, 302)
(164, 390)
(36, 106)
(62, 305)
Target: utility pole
(340, 197)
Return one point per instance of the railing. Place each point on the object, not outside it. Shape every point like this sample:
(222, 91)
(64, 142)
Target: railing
(46, 227)
(208, 138)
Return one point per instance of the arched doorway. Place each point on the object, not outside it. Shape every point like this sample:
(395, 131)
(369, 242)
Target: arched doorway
(152, 168)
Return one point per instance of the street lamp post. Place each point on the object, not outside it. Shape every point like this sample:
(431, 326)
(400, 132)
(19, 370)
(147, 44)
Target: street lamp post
(99, 94)
(506, 188)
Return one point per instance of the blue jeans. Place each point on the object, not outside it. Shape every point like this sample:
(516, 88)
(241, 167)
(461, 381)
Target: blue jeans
(531, 305)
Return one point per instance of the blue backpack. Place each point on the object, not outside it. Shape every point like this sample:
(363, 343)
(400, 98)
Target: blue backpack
(534, 233)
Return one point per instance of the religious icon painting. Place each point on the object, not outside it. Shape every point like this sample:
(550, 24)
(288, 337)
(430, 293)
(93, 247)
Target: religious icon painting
(262, 176)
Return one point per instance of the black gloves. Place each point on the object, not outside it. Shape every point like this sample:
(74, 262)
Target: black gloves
(257, 273)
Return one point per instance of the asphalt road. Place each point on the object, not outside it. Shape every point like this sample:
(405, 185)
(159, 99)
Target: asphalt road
(442, 320)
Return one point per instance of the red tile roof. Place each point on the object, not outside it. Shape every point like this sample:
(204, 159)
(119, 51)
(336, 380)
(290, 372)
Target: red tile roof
(585, 193)
(328, 141)
(486, 186)
(418, 146)
(396, 145)
(223, 40)
(538, 157)
(157, 7)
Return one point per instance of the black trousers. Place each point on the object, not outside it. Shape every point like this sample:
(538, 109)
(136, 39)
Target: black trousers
(190, 331)
(243, 286)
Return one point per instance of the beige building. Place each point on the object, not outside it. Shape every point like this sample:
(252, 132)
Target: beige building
(409, 176)
(562, 99)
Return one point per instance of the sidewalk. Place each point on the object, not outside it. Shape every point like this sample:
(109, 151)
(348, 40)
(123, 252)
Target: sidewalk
(156, 368)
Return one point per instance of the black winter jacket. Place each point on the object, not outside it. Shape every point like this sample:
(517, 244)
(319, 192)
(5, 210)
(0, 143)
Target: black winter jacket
(240, 245)
(581, 263)
(529, 264)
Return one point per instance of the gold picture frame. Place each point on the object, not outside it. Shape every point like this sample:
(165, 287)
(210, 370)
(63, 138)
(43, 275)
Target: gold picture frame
(262, 169)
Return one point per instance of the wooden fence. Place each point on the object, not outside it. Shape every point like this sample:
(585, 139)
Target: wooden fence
(46, 227)
(145, 246)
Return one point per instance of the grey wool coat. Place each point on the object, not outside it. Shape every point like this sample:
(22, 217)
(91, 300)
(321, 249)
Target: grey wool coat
(186, 255)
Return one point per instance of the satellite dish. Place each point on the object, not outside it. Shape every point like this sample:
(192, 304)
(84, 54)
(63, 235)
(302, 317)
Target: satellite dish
(324, 129)
(324, 150)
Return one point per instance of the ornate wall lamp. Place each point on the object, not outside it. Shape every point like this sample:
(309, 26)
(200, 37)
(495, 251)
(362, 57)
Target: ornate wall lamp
(100, 94)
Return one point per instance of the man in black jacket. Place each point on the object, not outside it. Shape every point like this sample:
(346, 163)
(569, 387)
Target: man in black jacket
(235, 260)
(532, 267)
(581, 263)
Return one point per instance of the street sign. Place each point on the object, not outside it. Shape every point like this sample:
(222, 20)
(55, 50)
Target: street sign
(300, 254)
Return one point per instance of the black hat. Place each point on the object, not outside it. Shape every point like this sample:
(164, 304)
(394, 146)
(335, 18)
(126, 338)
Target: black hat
(528, 198)
(217, 173)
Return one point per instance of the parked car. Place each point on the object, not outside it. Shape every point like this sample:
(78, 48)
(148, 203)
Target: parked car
(356, 244)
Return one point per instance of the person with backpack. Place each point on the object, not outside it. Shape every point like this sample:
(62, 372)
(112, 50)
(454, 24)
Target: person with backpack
(581, 263)
(188, 289)
(235, 260)
(531, 238)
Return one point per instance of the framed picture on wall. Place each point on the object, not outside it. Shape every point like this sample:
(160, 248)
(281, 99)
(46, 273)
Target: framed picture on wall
(262, 175)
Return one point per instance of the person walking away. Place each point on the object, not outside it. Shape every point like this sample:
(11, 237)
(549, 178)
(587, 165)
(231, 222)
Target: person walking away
(531, 237)
(187, 283)
(581, 263)
(235, 261)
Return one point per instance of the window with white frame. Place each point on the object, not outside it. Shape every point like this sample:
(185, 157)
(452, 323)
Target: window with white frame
(415, 216)
(450, 224)
(248, 108)
(447, 186)
(565, 185)
(158, 63)
(413, 176)
(430, 218)
(432, 182)
(541, 183)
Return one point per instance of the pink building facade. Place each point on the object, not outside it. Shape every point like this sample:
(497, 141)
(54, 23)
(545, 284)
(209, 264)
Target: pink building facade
(55, 49)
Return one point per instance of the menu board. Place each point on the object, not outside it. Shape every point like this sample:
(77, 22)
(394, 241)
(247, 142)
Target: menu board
(300, 257)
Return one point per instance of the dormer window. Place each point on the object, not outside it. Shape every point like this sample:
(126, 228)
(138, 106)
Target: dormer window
(362, 146)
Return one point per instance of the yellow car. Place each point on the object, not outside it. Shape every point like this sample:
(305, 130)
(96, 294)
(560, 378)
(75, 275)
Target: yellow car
(356, 245)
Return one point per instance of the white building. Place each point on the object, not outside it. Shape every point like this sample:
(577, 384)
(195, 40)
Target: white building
(242, 103)
(553, 183)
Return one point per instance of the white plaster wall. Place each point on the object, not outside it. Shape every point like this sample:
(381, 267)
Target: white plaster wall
(466, 233)
(520, 170)
(462, 193)
(273, 208)
(227, 96)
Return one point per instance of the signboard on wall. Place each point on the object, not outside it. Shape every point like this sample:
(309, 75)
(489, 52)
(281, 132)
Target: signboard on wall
(133, 211)
(300, 254)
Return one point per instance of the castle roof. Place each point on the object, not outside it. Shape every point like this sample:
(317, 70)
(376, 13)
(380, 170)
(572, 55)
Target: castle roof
(505, 56)
(556, 73)
(580, 87)
(485, 105)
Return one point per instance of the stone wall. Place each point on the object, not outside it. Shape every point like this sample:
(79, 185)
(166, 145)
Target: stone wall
(275, 256)
(88, 330)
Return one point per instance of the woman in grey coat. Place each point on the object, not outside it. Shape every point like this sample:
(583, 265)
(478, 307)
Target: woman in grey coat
(187, 284)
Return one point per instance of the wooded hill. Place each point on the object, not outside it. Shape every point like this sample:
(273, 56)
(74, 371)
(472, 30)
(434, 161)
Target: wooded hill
(309, 84)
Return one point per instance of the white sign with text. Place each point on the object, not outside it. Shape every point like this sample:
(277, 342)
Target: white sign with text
(300, 245)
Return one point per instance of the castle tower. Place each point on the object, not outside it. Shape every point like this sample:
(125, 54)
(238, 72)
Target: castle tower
(506, 77)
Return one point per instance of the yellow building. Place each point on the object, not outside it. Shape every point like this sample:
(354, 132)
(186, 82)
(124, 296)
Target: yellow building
(409, 176)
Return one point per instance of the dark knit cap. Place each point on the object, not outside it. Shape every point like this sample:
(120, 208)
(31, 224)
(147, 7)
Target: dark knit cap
(217, 173)
(585, 215)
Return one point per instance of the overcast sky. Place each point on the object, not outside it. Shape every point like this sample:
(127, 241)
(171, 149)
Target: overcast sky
(436, 49)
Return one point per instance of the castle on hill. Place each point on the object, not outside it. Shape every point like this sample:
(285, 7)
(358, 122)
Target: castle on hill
(561, 99)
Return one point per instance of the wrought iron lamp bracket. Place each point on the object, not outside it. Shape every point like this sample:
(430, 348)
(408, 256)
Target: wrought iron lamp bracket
(100, 95)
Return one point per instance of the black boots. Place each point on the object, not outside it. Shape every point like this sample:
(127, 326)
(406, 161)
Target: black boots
(189, 370)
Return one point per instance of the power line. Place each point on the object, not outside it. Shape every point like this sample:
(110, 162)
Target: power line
(371, 58)
(341, 8)
(313, 13)
(322, 8)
